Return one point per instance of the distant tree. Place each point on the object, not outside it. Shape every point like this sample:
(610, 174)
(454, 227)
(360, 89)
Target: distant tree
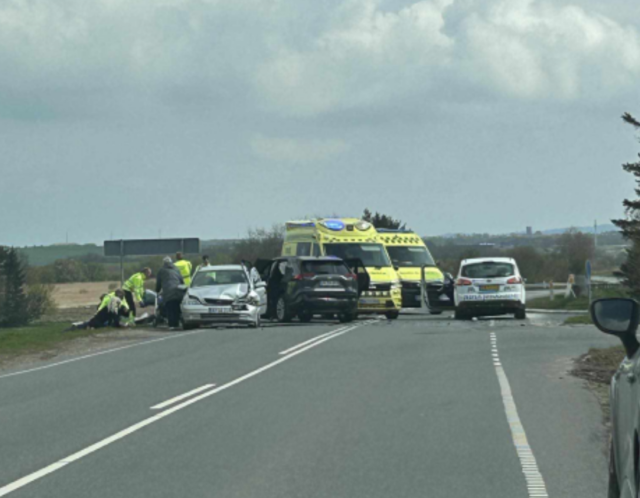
(3, 283)
(630, 226)
(259, 244)
(15, 298)
(379, 220)
(575, 248)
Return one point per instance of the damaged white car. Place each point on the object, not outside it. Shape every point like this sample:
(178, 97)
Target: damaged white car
(223, 294)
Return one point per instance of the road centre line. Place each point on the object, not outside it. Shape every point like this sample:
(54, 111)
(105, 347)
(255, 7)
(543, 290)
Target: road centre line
(34, 476)
(341, 329)
(181, 397)
(535, 483)
(287, 351)
(113, 350)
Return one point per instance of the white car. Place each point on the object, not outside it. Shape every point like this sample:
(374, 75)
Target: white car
(489, 286)
(224, 294)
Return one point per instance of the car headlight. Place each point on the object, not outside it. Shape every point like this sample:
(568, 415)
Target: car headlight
(396, 286)
(192, 301)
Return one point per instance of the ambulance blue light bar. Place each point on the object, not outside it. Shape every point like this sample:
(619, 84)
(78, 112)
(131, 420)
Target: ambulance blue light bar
(335, 225)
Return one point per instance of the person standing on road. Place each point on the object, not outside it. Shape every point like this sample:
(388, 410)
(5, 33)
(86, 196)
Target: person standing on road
(205, 262)
(168, 282)
(134, 290)
(184, 267)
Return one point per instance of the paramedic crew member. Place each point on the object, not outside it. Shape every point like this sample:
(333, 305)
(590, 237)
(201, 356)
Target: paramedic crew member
(134, 288)
(184, 267)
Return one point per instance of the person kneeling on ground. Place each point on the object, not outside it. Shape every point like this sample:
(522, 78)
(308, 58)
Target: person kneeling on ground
(112, 306)
(168, 281)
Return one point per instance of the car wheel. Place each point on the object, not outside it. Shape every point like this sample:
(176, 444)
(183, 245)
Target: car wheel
(346, 317)
(305, 316)
(521, 314)
(614, 486)
(282, 311)
(392, 315)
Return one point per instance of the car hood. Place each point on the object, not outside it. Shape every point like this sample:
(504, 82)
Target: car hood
(227, 292)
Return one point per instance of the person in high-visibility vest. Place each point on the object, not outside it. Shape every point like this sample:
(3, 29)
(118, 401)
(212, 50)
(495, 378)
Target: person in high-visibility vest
(112, 306)
(134, 290)
(184, 267)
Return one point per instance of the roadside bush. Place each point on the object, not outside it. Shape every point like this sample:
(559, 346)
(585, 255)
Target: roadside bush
(20, 304)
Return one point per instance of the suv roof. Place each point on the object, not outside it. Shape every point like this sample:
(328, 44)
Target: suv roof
(311, 258)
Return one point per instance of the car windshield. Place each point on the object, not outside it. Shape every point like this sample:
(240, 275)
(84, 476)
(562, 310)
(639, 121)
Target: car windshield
(218, 277)
(410, 256)
(325, 267)
(369, 254)
(487, 269)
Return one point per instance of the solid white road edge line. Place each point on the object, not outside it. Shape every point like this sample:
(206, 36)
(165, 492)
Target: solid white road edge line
(181, 397)
(8, 488)
(535, 483)
(113, 350)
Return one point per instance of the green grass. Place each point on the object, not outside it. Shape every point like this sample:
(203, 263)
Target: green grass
(579, 320)
(580, 303)
(38, 337)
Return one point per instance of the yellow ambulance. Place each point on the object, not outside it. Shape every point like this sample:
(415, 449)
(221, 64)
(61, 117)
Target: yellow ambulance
(350, 238)
(409, 254)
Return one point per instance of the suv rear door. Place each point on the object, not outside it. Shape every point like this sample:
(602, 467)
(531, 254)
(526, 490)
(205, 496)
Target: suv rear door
(325, 277)
(357, 268)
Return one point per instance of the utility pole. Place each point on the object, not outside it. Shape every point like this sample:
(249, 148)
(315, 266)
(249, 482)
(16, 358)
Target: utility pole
(595, 233)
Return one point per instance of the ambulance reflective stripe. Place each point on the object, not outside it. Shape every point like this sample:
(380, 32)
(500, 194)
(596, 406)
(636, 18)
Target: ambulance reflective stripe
(184, 267)
(135, 285)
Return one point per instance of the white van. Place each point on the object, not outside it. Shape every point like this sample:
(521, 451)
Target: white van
(489, 286)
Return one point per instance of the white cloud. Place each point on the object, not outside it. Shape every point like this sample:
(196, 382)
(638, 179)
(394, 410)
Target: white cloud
(290, 150)
(303, 58)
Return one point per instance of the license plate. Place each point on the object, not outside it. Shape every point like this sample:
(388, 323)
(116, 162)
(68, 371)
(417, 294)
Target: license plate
(222, 309)
(329, 283)
(489, 287)
(364, 300)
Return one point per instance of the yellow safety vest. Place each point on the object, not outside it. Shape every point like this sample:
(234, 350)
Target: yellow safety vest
(184, 267)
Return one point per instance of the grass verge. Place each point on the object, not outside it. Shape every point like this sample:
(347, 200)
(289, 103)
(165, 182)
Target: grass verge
(37, 337)
(573, 303)
(579, 320)
(597, 367)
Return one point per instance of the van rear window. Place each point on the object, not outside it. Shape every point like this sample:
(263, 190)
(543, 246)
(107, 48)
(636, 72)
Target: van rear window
(487, 269)
(325, 267)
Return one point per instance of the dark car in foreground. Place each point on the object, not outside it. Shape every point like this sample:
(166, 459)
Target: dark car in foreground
(305, 286)
(619, 317)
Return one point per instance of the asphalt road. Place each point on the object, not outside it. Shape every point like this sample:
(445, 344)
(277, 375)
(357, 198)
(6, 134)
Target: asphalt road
(406, 408)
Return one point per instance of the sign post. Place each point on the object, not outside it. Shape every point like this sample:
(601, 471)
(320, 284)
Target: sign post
(587, 275)
(148, 247)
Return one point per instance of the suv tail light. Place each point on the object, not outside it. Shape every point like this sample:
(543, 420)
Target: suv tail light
(464, 281)
(303, 276)
(514, 280)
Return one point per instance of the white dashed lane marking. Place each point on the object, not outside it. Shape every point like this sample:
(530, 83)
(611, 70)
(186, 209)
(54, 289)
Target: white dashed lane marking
(535, 483)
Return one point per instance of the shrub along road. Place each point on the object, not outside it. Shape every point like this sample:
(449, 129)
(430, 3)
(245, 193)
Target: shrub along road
(406, 408)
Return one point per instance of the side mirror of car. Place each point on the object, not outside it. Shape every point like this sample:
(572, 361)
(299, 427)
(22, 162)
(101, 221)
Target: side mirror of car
(619, 317)
(396, 268)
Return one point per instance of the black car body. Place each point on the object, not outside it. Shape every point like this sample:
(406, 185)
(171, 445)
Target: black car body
(304, 286)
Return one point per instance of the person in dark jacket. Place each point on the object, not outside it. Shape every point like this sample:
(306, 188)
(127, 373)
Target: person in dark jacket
(168, 281)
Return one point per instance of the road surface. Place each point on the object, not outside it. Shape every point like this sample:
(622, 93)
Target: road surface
(420, 406)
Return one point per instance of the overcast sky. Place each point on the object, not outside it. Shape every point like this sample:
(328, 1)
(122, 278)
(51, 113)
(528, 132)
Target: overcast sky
(205, 118)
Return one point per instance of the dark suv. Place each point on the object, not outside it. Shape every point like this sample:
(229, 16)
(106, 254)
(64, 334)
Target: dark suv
(304, 286)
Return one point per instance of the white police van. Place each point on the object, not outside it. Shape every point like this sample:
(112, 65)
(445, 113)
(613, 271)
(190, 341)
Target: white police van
(489, 286)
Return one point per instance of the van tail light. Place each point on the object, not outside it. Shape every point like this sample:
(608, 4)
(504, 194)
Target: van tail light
(303, 276)
(514, 280)
(352, 276)
(464, 281)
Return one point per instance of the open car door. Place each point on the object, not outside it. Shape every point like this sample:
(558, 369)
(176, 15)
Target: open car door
(357, 267)
(263, 265)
